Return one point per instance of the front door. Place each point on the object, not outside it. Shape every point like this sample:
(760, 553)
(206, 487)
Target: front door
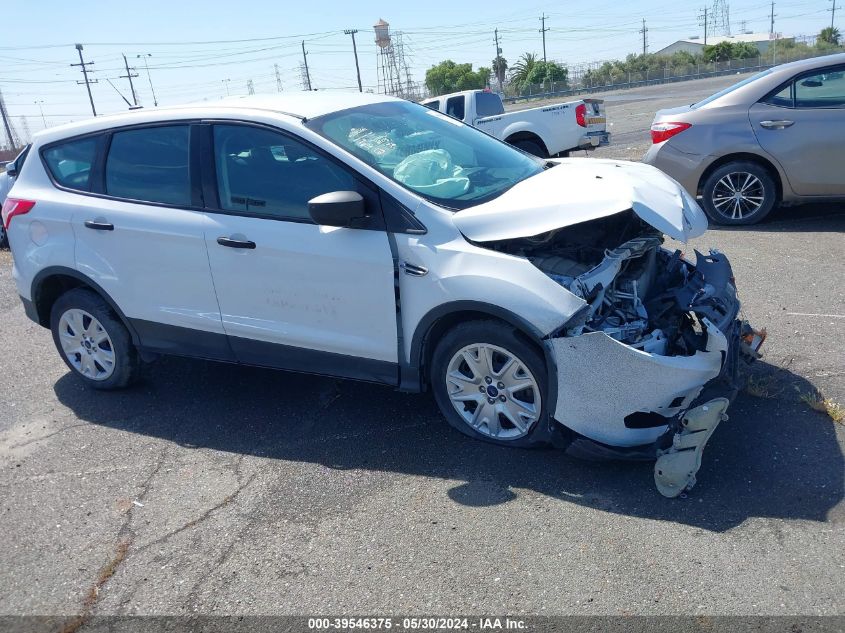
(293, 294)
(803, 128)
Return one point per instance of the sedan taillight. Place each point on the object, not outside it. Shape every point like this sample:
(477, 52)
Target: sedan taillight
(13, 207)
(664, 131)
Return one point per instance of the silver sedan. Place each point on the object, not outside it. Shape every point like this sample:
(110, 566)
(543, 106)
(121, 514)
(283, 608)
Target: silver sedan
(778, 136)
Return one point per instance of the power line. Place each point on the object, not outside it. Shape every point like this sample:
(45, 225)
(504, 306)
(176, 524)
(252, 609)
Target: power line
(84, 65)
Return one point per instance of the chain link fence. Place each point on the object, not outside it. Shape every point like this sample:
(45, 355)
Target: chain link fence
(600, 79)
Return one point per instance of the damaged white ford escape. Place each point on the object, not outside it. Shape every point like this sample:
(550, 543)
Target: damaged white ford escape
(366, 237)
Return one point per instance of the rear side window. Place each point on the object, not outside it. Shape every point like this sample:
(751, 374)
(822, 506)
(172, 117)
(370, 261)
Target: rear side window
(70, 163)
(455, 107)
(488, 104)
(151, 165)
(823, 90)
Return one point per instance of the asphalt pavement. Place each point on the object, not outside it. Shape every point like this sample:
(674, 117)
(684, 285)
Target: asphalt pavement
(216, 489)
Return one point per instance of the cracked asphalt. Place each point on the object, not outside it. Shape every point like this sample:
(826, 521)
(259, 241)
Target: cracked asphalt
(215, 489)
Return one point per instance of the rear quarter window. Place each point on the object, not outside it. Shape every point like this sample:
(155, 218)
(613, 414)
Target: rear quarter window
(488, 104)
(70, 163)
(150, 165)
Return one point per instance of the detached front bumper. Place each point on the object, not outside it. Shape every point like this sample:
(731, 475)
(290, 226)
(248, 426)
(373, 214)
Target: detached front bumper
(622, 402)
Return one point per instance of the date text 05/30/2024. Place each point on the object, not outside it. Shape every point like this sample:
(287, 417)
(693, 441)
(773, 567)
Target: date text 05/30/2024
(417, 623)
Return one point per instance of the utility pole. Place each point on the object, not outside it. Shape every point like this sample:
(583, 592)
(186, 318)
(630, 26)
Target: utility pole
(305, 61)
(352, 32)
(644, 31)
(832, 13)
(226, 84)
(543, 30)
(497, 69)
(130, 76)
(40, 103)
(84, 65)
(772, 23)
(278, 78)
(149, 77)
(704, 22)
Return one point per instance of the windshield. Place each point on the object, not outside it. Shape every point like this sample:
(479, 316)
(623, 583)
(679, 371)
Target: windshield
(730, 89)
(447, 162)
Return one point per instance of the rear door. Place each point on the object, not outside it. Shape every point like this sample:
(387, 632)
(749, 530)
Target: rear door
(142, 237)
(293, 294)
(802, 125)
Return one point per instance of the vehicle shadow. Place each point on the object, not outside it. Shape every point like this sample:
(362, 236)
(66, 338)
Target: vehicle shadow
(818, 217)
(773, 458)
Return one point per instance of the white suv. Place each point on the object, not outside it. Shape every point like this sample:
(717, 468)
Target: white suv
(366, 237)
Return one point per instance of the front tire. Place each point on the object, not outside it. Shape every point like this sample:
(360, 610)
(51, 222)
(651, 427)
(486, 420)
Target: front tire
(93, 341)
(739, 193)
(490, 384)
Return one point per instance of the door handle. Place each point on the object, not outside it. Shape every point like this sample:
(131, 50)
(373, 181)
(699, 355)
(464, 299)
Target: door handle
(413, 269)
(226, 241)
(99, 226)
(776, 125)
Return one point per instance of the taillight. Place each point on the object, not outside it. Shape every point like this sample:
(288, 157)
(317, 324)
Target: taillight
(581, 115)
(13, 207)
(664, 131)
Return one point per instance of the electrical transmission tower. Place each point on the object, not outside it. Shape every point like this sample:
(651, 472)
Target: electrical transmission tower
(250, 87)
(392, 69)
(306, 75)
(720, 16)
(7, 124)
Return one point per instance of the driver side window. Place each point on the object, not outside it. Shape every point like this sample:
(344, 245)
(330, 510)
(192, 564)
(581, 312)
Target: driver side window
(264, 173)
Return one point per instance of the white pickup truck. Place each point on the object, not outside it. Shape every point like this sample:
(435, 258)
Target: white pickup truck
(552, 130)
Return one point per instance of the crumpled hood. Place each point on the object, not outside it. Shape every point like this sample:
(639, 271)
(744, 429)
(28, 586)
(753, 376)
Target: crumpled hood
(582, 189)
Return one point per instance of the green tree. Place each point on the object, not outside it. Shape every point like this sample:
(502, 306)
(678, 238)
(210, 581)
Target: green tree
(830, 35)
(523, 67)
(499, 67)
(447, 76)
(724, 51)
(546, 72)
(745, 50)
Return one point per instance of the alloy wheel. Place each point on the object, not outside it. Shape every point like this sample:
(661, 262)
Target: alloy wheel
(738, 195)
(86, 344)
(493, 391)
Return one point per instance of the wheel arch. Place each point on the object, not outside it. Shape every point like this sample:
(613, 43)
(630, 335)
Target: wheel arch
(439, 320)
(763, 162)
(525, 135)
(52, 282)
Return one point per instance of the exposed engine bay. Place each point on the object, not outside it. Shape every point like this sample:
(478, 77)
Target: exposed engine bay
(636, 292)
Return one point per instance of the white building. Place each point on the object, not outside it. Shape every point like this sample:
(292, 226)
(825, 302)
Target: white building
(695, 45)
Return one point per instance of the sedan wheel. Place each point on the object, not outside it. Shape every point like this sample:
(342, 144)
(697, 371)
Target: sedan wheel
(738, 193)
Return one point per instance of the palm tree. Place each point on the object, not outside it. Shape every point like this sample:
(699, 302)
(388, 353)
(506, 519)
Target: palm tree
(523, 67)
(500, 67)
(830, 35)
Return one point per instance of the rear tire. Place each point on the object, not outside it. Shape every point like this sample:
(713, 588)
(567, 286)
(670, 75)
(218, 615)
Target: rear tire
(532, 147)
(490, 384)
(739, 194)
(4, 238)
(93, 341)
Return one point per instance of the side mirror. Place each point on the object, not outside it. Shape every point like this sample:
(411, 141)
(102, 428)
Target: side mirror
(12, 169)
(811, 83)
(338, 208)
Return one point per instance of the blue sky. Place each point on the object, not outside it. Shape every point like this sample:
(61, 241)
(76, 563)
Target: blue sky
(196, 46)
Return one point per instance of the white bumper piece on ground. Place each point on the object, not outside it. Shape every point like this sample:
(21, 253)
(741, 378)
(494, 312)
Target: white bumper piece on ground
(675, 468)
